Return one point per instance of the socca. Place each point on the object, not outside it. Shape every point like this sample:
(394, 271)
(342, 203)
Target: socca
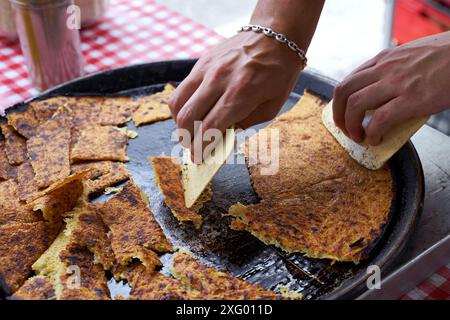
(135, 233)
(167, 173)
(15, 145)
(49, 148)
(100, 143)
(154, 107)
(320, 202)
(101, 174)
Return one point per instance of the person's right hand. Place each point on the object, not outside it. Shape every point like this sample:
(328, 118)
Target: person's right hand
(242, 81)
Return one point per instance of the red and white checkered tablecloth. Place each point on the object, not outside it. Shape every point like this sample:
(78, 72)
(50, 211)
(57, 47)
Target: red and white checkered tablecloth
(436, 287)
(133, 31)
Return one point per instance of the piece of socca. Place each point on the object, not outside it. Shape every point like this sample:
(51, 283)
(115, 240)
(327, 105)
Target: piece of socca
(320, 202)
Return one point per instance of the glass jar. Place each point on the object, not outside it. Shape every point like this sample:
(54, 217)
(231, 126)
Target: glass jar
(7, 23)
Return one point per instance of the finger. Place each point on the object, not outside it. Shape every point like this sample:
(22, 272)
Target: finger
(183, 92)
(368, 98)
(198, 105)
(342, 92)
(384, 118)
(265, 112)
(221, 117)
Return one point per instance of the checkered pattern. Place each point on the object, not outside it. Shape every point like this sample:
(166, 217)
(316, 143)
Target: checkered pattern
(436, 287)
(134, 31)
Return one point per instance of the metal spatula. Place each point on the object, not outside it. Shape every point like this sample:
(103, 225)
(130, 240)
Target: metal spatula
(373, 157)
(196, 177)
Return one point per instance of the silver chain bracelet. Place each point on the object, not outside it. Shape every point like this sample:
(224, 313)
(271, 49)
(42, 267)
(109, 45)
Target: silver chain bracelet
(277, 36)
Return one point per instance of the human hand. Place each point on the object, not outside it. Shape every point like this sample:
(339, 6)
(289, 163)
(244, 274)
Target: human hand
(242, 81)
(409, 81)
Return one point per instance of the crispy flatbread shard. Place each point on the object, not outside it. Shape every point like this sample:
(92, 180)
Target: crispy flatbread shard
(154, 107)
(116, 110)
(57, 201)
(21, 244)
(25, 180)
(152, 285)
(58, 264)
(320, 201)
(85, 110)
(49, 149)
(5, 167)
(11, 209)
(213, 284)
(167, 172)
(24, 122)
(35, 288)
(87, 228)
(102, 174)
(100, 143)
(15, 145)
(44, 109)
(134, 230)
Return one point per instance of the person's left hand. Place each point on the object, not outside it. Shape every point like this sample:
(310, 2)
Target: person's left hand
(406, 82)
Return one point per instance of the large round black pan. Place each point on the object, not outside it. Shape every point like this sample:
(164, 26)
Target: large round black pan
(238, 252)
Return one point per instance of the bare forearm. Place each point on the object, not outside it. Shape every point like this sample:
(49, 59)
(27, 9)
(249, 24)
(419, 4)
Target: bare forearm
(297, 19)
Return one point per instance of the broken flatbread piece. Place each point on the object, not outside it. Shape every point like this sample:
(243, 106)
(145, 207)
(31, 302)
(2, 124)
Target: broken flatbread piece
(213, 284)
(100, 143)
(134, 230)
(167, 173)
(49, 149)
(35, 288)
(15, 145)
(320, 201)
(154, 107)
(116, 111)
(146, 285)
(24, 122)
(12, 210)
(21, 244)
(44, 109)
(86, 227)
(5, 167)
(25, 180)
(61, 260)
(102, 174)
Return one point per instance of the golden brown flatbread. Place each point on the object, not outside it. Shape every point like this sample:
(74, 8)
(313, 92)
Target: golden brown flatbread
(5, 167)
(48, 150)
(192, 281)
(72, 271)
(85, 111)
(102, 174)
(167, 172)
(320, 202)
(116, 111)
(44, 109)
(21, 244)
(60, 198)
(149, 285)
(154, 107)
(86, 228)
(35, 288)
(213, 284)
(24, 122)
(15, 145)
(25, 179)
(11, 209)
(100, 143)
(134, 230)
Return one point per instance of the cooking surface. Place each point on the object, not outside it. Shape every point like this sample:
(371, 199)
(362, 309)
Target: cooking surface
(240, 253)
